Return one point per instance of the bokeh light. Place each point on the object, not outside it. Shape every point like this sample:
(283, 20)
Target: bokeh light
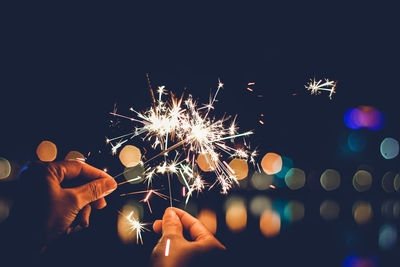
(75, 155)
(270, 223)
(329, 210)
(5, 207)
(240, 167)
(287, 164)
(125, 233)
(363, 117)
(261, 181)
(390, 209)
(387, 236)
(295, 178)
(259, 204)
(294, 211)
(357, 141)
(46, 151)
(236, 217)
(205, 162)
(209, 219)
(397, 182)
(362, 180)
(388, 184)
(330, 179)
(271, 163)
(5, 168)
(362, 212)
(355, 261)
(135, 174)
(389, 148)
(130, 156)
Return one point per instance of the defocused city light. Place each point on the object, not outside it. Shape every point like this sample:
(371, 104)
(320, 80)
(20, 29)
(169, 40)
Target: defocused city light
(357, 141)
(130, 156)
(329, 210)
(205, 162)
(271, 163)
(294, 211)
(362, 212)
(363, 117)
(389, 148)
(46, 151)
(75, 155)
(270, 223)
(259, 204)
(240, 168)
(125, 232)
(295, 178)
(5, 168)
(236, 217)
(330, 179)
(209, 219)
(135, 174)
(362, 180)
(261, 181)
(388, 183)
(287, 164)
(387, 236)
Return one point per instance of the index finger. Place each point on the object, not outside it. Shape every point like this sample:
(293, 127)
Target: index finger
(196, 229)
(69, 170)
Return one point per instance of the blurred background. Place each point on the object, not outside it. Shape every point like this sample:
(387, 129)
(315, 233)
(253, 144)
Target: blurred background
(329, 191)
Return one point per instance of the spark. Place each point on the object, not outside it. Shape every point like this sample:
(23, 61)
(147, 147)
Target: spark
(322, 85)
(251, 83)
(136, 225)
(167, 247)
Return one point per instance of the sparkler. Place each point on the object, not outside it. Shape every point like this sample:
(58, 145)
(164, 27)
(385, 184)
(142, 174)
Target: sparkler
(322, 85)
(136, 225)
(182, 126)
(187, 128)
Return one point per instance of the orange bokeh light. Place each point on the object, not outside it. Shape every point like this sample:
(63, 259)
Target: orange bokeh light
(270, 223)
(271, 163)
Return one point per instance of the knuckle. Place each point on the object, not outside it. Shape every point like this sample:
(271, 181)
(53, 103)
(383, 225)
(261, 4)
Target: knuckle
(94, 191)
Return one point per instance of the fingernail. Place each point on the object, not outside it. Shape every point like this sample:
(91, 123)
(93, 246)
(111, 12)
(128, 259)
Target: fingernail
(169, 212)
(110, 185)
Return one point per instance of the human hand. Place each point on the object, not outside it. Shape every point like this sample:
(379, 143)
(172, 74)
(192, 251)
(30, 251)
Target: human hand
(181, 251)
(55, 210)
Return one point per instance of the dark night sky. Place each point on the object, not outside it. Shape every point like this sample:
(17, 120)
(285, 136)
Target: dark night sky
(63, 66)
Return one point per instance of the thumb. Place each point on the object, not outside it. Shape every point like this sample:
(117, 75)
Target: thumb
(171, 224)
(94, 190)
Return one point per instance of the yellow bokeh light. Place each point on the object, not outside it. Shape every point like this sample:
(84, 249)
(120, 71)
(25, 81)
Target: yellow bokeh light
(388, 182)
(261, 181)
(236, 217)
(209, 219)
(271, 163)
(130, 156)
(362, 180)
(75, 155)
(205, 162)
(330, 179)
(294, 211)
(295, 178)
(329, 210)
(362, 212)
(46, 151)
(240, 168)
(5, 168)
(259, 204)
(270, 223)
